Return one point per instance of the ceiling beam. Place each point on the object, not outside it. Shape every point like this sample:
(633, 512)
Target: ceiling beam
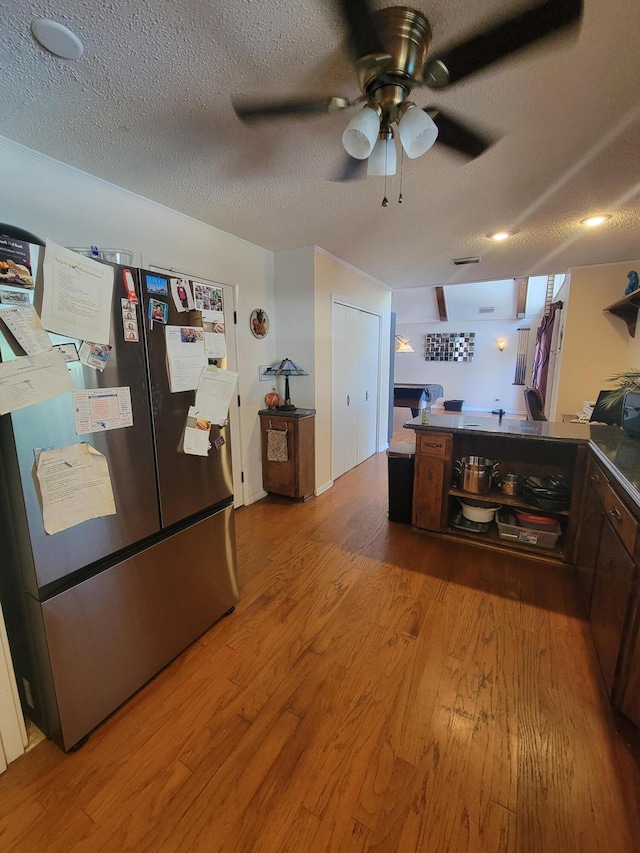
(442, 305)
(521, 303)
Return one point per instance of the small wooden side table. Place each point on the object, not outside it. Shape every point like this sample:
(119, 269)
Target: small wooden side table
(293, 475)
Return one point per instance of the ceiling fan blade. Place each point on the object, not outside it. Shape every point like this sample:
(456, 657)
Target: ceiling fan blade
(501, 40)
(364, 34)
(458, 136)
(261, 110)
(351, 169)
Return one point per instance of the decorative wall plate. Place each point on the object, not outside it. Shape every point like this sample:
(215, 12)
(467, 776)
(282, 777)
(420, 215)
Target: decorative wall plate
(259, 323)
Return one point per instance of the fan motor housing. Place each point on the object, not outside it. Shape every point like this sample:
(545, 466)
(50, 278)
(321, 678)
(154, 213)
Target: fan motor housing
(406, 37)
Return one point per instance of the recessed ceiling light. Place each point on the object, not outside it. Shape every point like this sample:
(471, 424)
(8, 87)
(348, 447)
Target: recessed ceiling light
(592, 221)
(57, 39)
(501, 235)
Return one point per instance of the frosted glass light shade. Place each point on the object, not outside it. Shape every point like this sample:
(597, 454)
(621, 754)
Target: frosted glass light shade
(418, 132)
(361, 133)
(383, 158)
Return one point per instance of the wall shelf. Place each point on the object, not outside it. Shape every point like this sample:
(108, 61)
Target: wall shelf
(627, 309)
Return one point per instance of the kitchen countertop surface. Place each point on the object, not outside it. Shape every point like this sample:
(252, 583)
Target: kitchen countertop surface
(467, 422)
(618, 452)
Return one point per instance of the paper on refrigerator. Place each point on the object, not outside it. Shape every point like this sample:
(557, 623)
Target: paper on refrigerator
(186, 356)
(101, 409)
(25, 326)
(196, 434)
(77, 295)
(214, 393)
(33, 378)
(75, 486)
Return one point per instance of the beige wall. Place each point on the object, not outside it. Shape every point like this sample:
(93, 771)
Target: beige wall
(594, 345)
(337, 280)
(306, 282)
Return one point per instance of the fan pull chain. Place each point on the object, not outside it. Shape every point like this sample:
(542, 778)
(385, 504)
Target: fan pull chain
(401, 164)
(385, 200)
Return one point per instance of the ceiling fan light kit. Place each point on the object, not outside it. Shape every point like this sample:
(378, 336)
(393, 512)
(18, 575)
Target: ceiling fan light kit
(361, 134)
(417, 131)
(383, 160)
(390, 48)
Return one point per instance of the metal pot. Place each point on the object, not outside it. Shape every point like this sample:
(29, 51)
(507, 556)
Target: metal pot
(475, 474)
(511, 484)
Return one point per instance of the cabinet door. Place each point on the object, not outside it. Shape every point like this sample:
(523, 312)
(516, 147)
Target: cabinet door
(588, 542)
(628, 687)
(428, 484)
(280, 477)
(609, 601)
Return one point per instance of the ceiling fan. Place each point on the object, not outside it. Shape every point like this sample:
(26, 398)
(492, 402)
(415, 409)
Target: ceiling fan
(391, 53)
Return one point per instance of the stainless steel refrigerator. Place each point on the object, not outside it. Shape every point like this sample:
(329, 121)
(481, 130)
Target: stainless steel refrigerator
(93, 612)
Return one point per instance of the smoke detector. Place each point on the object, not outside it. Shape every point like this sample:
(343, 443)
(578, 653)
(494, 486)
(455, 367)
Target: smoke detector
(57, 39)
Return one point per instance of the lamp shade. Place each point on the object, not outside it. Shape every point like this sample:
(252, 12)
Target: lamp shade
(361, 133)
(418, 131)
(383, 158)
(286, 367)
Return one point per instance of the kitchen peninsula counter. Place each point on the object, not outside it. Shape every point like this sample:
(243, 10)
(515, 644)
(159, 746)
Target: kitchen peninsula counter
(618, 452)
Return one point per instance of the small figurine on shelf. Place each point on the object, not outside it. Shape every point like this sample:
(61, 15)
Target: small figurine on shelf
(632, 275)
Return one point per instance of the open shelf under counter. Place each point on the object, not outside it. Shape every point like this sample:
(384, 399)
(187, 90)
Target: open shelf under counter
(492, 539)
(497, 497)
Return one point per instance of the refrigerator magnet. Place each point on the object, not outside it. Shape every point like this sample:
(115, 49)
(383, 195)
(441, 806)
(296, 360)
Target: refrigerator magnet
(127, 277)
(158, 311)
(156, 284)
(94, 355)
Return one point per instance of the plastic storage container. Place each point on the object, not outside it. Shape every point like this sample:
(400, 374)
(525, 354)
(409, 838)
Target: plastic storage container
(526, 535)
(401, 459)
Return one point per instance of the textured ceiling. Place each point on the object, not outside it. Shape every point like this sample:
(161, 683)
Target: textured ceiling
(148, 107)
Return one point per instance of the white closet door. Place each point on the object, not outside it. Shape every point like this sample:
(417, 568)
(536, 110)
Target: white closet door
(355, 348)
(339, 389)
(369, 339)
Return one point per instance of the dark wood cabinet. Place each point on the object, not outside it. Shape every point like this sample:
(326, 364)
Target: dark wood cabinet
(612, 583)
(432, 473)
(627, 697)
(288, 464)
(591, 519)
(436, 498)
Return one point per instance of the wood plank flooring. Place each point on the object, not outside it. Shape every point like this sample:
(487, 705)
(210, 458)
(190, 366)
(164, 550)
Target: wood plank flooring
(376, 689)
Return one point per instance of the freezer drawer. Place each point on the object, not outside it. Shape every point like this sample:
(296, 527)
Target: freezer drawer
(109, 635)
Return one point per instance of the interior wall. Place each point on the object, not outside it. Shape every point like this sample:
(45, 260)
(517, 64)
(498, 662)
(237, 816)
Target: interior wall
(595, 345)
(294, 273)
(73, 208)
(485, 383)
(335, 279)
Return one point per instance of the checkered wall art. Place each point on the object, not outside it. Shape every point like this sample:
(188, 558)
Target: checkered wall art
(449, 346)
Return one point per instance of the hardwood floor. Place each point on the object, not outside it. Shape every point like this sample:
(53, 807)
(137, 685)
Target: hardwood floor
(376, 689)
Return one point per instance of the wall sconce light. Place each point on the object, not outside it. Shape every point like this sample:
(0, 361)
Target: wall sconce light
(501, 343)
(402, 345)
